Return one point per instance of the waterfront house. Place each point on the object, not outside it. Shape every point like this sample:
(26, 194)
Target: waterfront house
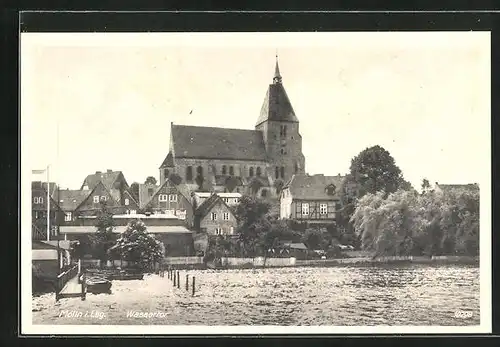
(173, 200)
(313, 199)
(215, 217)
(231, 199)
(168, 228)
(39, 210)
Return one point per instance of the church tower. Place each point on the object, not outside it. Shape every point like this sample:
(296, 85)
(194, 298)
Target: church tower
(280, 129)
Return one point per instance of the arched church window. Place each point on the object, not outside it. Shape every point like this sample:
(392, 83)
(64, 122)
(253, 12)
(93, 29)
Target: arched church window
(231, 170)
(189, 173)
(277, 172)
(250, 172)
(282, 172)
(224, 169)
(199, 171)
(259, 172)
(166, 173)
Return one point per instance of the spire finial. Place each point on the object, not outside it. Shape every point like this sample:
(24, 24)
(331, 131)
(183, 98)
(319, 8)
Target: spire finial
(277, 75)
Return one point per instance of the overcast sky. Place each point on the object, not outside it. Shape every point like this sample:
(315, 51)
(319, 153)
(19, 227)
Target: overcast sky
(425, 97)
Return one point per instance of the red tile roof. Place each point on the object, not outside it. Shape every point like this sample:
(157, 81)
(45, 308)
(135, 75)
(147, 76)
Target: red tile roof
(220, 143)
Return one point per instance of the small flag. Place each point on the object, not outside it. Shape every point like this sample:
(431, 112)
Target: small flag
(38, 172)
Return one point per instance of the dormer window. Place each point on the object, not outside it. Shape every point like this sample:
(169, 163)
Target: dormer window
(330, 190)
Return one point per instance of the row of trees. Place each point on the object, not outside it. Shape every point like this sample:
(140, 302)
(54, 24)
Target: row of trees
(408, 223)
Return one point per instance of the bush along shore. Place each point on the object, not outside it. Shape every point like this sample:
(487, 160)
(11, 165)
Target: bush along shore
(260, 262)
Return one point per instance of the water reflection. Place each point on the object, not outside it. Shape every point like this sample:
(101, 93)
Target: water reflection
(388, 295)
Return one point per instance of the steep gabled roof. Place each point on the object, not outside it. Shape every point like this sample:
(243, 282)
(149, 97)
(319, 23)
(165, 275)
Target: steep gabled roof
(277, 105)
(69, 200)
(220, 143)
(180, 189)
(168, 162)
(209, 203)
(314, 187)
(107, 178)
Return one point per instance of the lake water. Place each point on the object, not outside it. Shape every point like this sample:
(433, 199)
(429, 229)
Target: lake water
(382, 295)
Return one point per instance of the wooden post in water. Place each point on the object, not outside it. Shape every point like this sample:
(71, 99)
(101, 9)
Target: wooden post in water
(187, 283)
(83, 287)
(193, 286)
(175, 279)
(178, 280)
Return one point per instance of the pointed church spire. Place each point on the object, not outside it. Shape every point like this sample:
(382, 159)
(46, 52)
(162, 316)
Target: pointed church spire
(277, 75)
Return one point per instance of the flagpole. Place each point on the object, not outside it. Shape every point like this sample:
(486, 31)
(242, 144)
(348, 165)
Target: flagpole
(48, 204)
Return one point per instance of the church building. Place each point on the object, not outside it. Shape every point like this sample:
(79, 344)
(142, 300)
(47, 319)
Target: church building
(256, 162)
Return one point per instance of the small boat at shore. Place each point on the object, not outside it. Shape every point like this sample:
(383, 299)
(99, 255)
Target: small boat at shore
(97, 285)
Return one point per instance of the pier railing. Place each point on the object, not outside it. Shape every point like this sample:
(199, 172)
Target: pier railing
(64, 277)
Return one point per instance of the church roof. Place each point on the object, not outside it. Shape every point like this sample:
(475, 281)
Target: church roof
(277, 106)
(220, 143)
(168, 162)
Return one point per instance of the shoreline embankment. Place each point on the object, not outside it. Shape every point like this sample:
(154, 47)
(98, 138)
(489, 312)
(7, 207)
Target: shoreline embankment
(182, 263)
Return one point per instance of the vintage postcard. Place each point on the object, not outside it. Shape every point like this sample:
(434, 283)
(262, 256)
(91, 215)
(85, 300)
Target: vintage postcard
(255, 183)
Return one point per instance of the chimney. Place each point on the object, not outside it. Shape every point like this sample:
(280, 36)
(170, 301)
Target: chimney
(109, 171)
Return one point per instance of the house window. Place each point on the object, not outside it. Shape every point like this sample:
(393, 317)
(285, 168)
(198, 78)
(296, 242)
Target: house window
(251, 172)
(133, 212)
(172, 197)
(296, 168)
(199, 171)
(38, 200)
(218, 231)
(68, 217)
(231, 230)
(150, 191)
(305, 209)
(166, 173)
(282, 172)
(259, 172)
(189, 173)
(224, 169)
(225, 216)
(263, 193)
(330, 190)
(96, 198)
(162, 197)
(323, 208)
(127, 202)
(231, 171)
(214, 216)
(103, 198)
(237, 190)
(277, 172)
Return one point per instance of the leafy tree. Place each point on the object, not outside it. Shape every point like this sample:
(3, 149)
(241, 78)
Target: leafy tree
(199, 181)
(278, 185)
(175, 179)
(426, 186)
(374, 169)
(104, 237)
(231, 183)
(254, 185)
(137, 245)
(150, 180)
(134, 189)
(406, 223)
